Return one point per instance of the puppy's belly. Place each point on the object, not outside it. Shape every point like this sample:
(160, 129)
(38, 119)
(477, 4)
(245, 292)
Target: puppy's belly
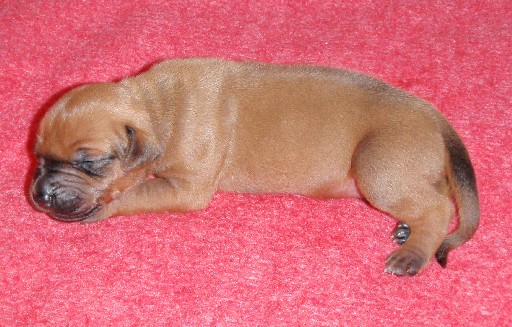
(341, 186)
(345, 188)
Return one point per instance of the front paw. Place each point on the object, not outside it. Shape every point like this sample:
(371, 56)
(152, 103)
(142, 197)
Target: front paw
(97, 216)
(405, 262)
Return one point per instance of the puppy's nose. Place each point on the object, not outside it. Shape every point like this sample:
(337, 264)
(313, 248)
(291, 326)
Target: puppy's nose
(43, 195)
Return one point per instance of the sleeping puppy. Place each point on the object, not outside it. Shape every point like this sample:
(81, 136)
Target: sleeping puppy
(169, 138)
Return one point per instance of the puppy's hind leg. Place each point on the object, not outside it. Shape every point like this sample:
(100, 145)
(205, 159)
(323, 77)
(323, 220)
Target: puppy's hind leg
(393, 180)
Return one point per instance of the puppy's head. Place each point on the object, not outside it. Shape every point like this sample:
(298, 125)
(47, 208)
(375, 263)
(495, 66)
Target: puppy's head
(93, 144)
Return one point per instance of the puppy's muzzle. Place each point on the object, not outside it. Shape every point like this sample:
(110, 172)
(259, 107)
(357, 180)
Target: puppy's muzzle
(60, 197)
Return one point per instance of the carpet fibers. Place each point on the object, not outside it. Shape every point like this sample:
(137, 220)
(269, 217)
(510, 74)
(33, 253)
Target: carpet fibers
(254, 260)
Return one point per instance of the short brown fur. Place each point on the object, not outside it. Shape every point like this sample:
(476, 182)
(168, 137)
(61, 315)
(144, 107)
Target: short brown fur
(169, 138)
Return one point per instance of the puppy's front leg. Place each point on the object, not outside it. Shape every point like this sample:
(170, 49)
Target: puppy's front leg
(157, 195)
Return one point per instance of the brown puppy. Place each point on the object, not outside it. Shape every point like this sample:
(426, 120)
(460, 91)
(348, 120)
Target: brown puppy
(169, 138)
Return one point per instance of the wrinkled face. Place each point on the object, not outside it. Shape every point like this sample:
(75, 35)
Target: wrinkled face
(72, 190)
(91, 146)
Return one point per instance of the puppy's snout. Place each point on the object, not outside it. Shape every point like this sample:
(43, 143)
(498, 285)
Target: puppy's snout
(60, 201)
(43, 194)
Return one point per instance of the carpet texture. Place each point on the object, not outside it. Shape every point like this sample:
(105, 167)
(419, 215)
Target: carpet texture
(254, 260)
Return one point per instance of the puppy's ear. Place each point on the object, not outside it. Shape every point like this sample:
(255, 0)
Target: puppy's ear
(142, 148)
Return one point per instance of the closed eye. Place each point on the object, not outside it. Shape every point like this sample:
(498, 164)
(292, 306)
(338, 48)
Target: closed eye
(93, 167)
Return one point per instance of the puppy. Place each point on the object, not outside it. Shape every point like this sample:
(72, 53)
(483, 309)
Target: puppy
(169, 138)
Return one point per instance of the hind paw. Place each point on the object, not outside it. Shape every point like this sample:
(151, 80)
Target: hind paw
(401, 233)
(404, 262)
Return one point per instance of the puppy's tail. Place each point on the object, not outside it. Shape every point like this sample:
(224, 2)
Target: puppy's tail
(462, 181)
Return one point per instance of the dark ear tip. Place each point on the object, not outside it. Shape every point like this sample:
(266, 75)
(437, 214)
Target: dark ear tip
(141, 147)
(129, 130)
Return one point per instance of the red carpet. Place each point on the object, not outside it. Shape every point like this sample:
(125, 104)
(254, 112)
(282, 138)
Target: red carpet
(254, 260)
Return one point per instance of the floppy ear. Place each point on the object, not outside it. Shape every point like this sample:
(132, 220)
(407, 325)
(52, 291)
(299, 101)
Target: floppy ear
(142, 148)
